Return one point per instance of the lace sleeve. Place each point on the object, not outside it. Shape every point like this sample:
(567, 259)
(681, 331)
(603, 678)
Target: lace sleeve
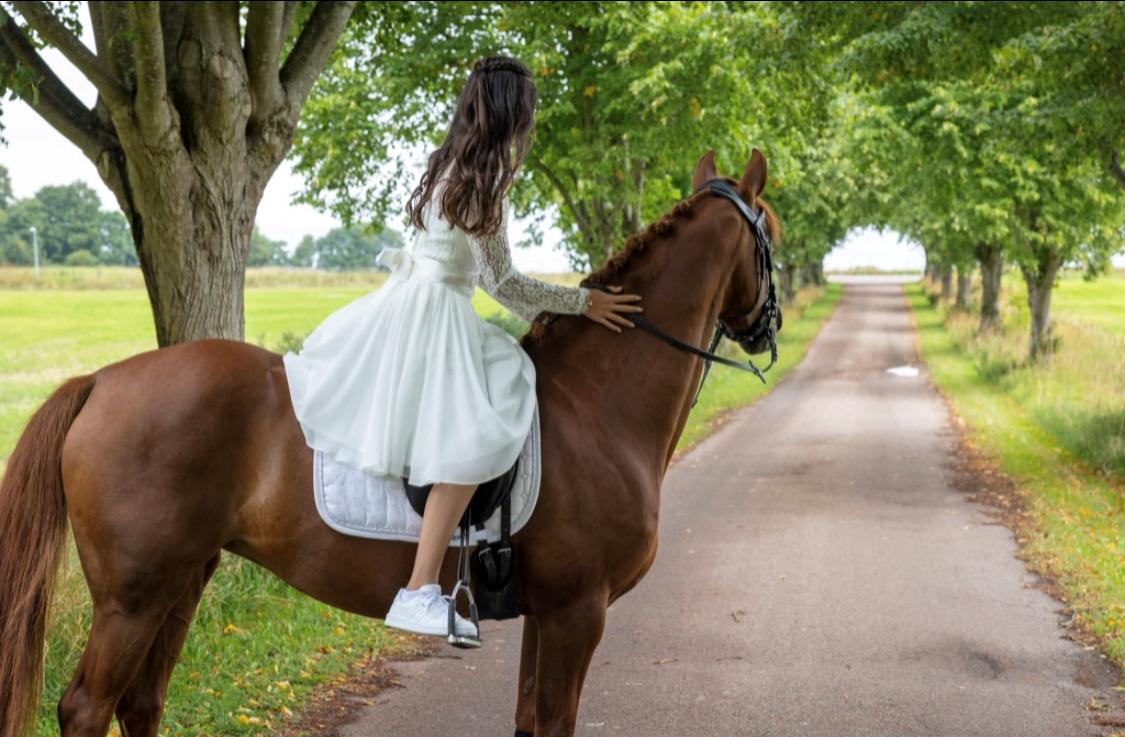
(521, 294)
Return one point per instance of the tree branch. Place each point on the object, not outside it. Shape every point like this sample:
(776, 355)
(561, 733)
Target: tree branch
(287, 20)
(313, 49)
(152, 109)
(263, 55)
(172, 26)
(39, 17)
(110, 22)
(579, 218)
(52, 99)
(1115, 168)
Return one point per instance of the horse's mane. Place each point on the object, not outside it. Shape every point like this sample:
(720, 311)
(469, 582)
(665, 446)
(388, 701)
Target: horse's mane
(636, 244)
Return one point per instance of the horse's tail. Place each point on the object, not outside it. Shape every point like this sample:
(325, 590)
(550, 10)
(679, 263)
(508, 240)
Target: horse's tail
(32, 531)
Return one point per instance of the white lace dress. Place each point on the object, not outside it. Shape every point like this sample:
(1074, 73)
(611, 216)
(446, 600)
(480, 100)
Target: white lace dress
(409, 381)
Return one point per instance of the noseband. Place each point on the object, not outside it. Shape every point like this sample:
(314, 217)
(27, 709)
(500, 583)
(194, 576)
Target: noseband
(764, 327)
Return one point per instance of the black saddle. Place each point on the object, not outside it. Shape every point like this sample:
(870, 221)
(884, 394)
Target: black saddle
(492, 565)
(486, 500)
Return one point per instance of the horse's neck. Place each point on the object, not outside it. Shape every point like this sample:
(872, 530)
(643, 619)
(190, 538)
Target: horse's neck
(635, 381)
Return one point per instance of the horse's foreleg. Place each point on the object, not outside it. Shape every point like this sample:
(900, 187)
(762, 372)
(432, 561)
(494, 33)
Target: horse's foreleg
(567, 640)
(142, 704)
(525, 698)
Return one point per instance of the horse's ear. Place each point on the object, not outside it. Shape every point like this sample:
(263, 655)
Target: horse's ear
(754, 178)
(704, 170)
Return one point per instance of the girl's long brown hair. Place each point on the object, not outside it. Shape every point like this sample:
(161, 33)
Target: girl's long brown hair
(486, 143)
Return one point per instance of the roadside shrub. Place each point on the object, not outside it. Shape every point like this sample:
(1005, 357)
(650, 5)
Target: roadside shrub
(81, 257)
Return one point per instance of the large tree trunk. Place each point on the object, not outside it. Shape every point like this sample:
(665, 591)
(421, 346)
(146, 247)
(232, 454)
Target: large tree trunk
(191, 121)
(192, 241)
(788, 283)
(991, 260)
(1040, 280)
(1115, 169)
(946, 282)
(812, 273)
(964, 286)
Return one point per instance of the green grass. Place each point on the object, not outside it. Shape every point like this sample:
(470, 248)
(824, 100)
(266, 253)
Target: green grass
(257, 646)
(1056, 430)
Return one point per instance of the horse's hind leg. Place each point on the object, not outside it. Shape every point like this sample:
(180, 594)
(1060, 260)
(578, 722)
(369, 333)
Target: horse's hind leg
(525, 699)
(121, 635)
(116, 648)
(142, 704)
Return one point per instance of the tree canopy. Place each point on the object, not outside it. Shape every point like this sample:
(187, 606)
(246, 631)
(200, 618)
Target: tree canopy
(990, 132)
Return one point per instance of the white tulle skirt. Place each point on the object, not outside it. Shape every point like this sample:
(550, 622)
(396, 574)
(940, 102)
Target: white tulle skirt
(409, 381)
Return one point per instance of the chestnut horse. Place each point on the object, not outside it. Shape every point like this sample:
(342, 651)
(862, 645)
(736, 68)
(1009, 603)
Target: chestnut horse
(165, 459)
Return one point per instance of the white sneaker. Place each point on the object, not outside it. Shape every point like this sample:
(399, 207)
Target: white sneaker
(425, 612)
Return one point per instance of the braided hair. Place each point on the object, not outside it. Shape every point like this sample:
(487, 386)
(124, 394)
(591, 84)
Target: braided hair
(484, 147)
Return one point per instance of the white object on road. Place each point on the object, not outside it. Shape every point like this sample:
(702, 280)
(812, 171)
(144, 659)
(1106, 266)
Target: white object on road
(903, 371)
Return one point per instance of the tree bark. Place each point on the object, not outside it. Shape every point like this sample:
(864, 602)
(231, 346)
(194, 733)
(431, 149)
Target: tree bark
(964, 286)
(1115, 169)
(946, 282)
(812, 273)
(1040, 280)
(788, 283)
(187, 130)
(991, 261)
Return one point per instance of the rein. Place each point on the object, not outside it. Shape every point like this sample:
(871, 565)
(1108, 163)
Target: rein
(767, 323)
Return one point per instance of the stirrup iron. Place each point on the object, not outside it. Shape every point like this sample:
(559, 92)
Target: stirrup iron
(454, 639)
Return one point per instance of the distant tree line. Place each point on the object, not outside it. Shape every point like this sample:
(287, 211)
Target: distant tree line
(340, 249)
(70, 224)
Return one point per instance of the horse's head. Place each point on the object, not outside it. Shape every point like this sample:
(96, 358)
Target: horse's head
(748, 313)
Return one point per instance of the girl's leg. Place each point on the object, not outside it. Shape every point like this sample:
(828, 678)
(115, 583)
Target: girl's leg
(444, 507)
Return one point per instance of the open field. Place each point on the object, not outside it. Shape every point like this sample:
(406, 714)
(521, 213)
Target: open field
(1057, 429)
(257, 646)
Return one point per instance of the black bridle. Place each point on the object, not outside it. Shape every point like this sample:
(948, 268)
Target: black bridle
(765, 326)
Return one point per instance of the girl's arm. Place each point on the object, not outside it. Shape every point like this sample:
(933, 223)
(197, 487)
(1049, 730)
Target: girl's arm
(521, 294)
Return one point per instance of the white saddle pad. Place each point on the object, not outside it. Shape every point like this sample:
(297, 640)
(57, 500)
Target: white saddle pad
(357, 503)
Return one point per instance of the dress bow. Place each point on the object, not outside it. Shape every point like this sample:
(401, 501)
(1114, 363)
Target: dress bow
(398, 260)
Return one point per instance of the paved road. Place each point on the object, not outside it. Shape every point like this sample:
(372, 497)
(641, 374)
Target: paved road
(817, 575)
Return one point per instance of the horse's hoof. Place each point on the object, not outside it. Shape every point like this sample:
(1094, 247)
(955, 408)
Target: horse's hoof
(521, 733)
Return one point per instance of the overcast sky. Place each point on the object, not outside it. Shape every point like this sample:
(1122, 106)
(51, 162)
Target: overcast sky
(36, 155)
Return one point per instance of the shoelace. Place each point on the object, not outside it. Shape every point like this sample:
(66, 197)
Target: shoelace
(437, 599)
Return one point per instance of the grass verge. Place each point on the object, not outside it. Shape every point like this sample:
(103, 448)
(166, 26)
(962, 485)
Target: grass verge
(1021, 418)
